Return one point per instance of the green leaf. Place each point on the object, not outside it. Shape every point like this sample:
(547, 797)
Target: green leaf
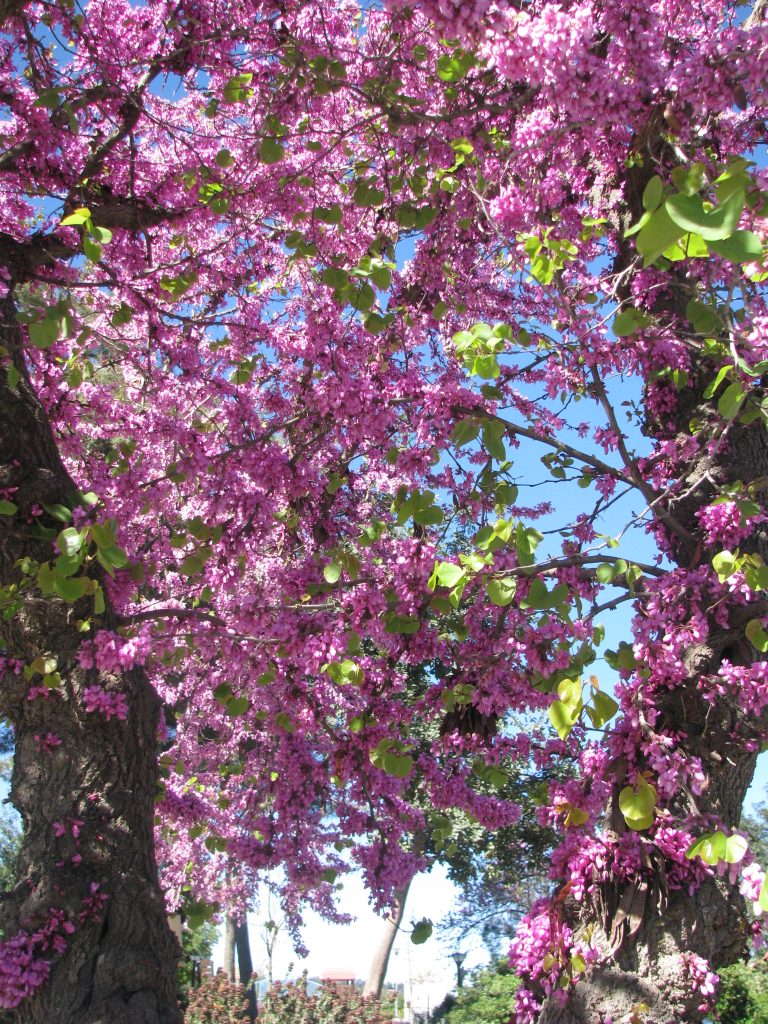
(398, 765)
(652, 194)
(7, 508)
(605, 572)
(762, 899)
(689, 180)
(658, 234)
(78, 217)
(578, 963)
(735, 848)
(123, 315)
(405, 624)
(453, 67)
(710, 847)
(739, 247)
(449, 575)
(224, 159)
(604, 708)
(50, 98)
(637, 803)
(71, 590)
(103, 534)
(485, 366)
(539, 597)
(563, 717)
(365, 195)
(629, 321)
(501, 591)
(237, 706)
(177, 286)
(421, 932)
(92, 250)
(725, 564)
(731, 401)
(271, 151)
(329, 215)
(284, 722)
(70, 541)
(58, 512)
(332, 572)
(375, 324)
(756, 635)
(703, 317)
(115, 556)
(236, 89)
(688, 213)
(191, 565)
(47, 332)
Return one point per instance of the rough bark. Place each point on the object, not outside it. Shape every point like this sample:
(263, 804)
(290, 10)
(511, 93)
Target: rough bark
(97, 786)
(643, 928)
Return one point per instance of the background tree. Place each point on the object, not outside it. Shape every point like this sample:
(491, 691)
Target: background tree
(489, 998)
(742, 996)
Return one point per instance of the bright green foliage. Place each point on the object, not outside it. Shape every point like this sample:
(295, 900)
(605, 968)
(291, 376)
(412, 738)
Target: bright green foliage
(489, 1000)
(194, 942)
(743, 994)
(10, 841)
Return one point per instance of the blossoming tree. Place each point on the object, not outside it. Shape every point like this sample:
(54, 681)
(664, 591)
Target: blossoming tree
(293, 295)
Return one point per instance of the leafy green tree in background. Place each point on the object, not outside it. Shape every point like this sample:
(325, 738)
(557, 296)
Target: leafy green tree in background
(10, 840)
(197, 942)
(743, 994)
(490, 999)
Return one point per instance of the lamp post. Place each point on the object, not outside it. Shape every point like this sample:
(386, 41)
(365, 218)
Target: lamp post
(458, 959)
(195, 971)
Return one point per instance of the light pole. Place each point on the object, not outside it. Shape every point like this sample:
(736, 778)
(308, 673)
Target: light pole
(458, 959)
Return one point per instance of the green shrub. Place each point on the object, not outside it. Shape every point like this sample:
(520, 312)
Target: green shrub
(742, 996)
(490, 999)
(291, 1004)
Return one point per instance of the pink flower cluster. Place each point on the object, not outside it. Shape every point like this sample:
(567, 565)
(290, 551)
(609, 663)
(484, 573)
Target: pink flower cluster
(725, 525)
(23, 964)
(47, 743)
(109, 652)
(111, 705)
(541, 951)
(701, 978)
(22, 970)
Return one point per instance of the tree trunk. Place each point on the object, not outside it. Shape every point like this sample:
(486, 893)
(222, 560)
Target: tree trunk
(245, 964)
(229, 947)
(646, 931)
(87, 905)
(377, 971)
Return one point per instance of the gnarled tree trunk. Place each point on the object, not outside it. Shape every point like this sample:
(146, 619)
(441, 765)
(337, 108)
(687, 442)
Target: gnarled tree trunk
(87, 902)
(646, 931)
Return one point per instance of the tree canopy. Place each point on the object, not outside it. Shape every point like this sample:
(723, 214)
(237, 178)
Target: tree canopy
(295, 295)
